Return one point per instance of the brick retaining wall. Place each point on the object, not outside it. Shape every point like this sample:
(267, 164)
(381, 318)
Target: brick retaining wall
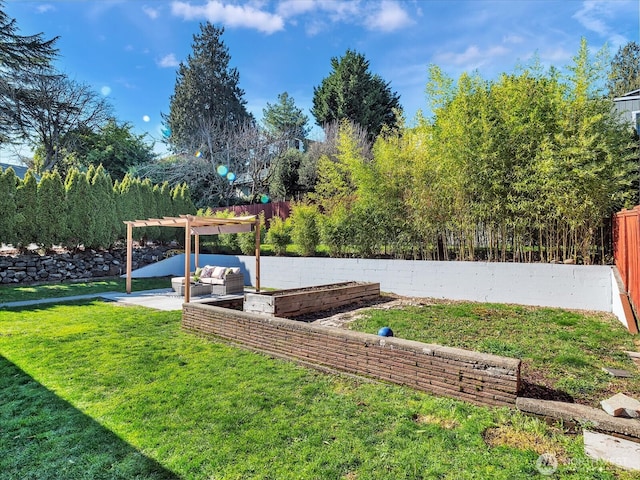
(451, 372)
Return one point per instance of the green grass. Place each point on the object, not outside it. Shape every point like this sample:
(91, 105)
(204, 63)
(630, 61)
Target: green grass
(561, 350)
(14, 293)
(97, 390)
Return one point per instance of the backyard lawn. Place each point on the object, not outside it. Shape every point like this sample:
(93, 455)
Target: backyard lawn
(96, 390)
(563, 352)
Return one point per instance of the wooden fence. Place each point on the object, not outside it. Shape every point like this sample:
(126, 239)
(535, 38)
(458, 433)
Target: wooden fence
(626, 252)
(273, 209)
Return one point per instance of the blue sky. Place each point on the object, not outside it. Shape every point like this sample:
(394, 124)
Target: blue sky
(129, 50)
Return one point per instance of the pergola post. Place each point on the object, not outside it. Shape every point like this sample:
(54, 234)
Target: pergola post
(196, 241)
(187, 261)
(257, 254)
(129, 255)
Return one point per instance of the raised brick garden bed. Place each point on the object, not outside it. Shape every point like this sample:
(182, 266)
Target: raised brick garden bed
(452, 372)
(302, 301)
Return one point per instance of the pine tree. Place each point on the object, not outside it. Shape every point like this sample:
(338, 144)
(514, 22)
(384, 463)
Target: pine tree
(284, 120)
(206, 97)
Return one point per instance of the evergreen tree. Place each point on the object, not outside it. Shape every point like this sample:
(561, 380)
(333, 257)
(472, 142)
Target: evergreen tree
(80, 211)
(8, 185)
(206, 98)
(26, 204)
(352, 92)
(284, 120)
(284, 179)
(21, 58)
(107, 222)
(625, 70)
(51, 210)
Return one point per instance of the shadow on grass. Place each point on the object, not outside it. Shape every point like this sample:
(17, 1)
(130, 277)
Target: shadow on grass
(44, 436)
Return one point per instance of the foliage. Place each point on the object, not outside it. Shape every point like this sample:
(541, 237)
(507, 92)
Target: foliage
(624, 76)
(279, 234)
(284, 182)
(22, 57)
(305, 231)
(8, 194)
(206, 96)
(106, 223)
(247, 240)
(285, 120)
(60, 105)
(26, 207)
(51, 210)
(352, 92)
(80, 213)
(527, 167)
(113, 146)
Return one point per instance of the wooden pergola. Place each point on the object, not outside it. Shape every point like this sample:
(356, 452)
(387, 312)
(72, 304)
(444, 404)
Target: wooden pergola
(196, 226)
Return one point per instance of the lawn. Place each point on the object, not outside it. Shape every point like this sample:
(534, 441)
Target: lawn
(96, 390)
(14, 293)
(562, 351)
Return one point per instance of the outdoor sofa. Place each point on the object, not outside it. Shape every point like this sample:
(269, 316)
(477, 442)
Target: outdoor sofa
(212, 280)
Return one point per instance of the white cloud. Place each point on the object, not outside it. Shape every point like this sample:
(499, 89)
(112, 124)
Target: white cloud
(245, 16)
(168, 61)
(389, 17)
(594, 14)
(44, 8)
(511, 38)
(472, 57)
(151, 12)
(293, 8)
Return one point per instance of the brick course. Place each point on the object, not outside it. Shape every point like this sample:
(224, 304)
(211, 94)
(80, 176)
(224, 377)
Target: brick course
(478, 378)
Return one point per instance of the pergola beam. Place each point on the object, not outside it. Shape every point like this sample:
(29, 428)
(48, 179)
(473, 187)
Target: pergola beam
(195, 226)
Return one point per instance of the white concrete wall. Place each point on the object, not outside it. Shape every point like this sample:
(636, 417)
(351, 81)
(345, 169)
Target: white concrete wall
(566, 286)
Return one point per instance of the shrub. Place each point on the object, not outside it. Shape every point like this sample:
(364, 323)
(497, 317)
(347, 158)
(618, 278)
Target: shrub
(336, 231)
(247, 241)
(305, 232)
(279, 234)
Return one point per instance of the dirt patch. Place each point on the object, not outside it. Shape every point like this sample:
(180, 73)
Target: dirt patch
(340, 317)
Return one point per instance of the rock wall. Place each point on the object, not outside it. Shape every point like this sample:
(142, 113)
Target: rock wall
(59, 267)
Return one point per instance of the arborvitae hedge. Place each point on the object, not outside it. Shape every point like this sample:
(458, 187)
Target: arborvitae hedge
(85, 208)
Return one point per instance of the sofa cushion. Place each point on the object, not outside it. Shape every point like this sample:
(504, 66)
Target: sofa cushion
(212, 281)
(218, 272)
(207, 270)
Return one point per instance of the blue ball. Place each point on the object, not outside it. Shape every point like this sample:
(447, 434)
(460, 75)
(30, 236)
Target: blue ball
(385, 332)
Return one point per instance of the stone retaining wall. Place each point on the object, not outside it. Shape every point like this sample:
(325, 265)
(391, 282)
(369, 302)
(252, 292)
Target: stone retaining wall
(31, 268)
(451, 372)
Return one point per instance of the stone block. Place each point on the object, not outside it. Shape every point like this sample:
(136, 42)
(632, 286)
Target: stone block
(618, 451)
(621, 405)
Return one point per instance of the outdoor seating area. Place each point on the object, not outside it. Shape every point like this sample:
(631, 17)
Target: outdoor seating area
(212, 280)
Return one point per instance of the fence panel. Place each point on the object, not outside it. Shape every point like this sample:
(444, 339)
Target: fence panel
(273, 209)
(626, 252)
